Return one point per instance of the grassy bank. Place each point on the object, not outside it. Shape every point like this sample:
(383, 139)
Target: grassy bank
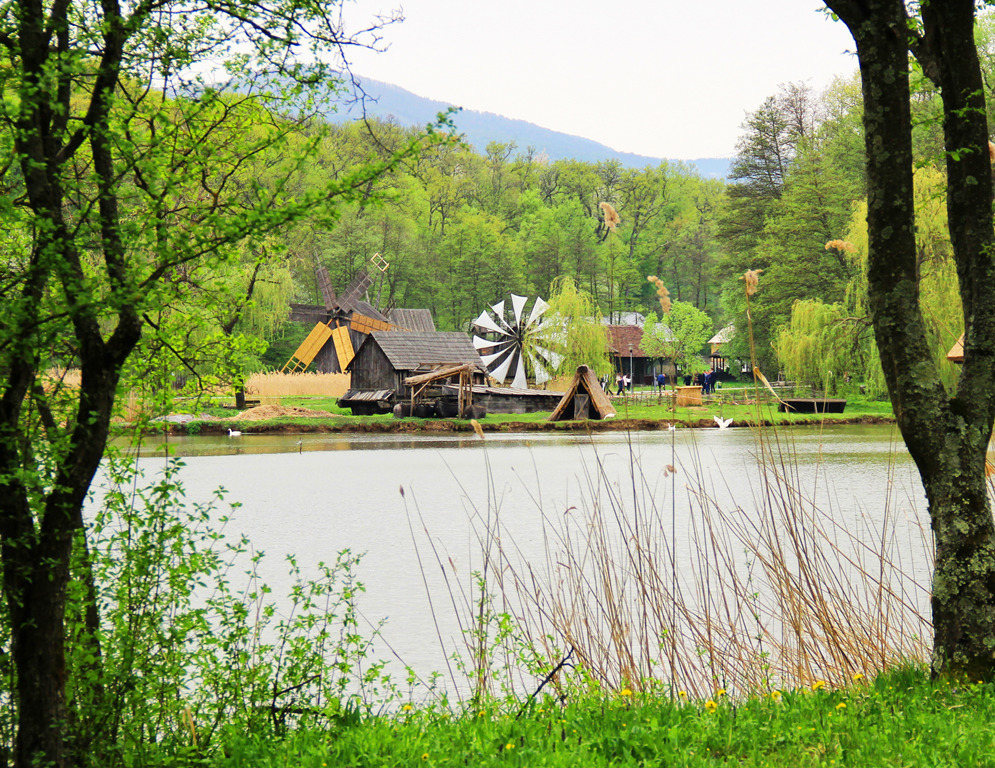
(896, 719)
(642, 411)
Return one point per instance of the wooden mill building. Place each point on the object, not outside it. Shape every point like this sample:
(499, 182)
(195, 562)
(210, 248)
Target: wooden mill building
(387, 358)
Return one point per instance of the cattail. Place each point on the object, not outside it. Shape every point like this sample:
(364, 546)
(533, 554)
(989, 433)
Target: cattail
(190, 724)
(841, 245)
(612, 219)
(662, 292)
(752, 278)
(477, 428)
(991, 152)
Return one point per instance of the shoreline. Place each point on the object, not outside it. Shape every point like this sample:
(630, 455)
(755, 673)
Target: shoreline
(442, 426)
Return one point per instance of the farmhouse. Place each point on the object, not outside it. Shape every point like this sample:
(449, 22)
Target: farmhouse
(387, 358)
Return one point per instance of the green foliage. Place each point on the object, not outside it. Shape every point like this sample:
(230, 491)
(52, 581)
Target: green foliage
(186, 660)
(574, 331)
(818, 347)
(802, 170)
(823, 342)
(680, 336)
(898, 718)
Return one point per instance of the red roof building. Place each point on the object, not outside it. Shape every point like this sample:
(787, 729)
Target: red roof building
(623, 342)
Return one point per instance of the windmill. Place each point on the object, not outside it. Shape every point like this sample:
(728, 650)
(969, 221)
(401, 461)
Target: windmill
(341, 323)
(506, 343)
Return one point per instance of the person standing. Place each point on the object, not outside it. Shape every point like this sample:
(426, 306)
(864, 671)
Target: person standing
(661, 381)
(620, 383)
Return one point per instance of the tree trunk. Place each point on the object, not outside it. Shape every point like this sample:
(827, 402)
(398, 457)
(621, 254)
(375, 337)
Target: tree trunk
(946, 436)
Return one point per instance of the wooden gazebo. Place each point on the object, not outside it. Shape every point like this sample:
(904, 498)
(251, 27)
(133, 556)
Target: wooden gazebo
(584, 399)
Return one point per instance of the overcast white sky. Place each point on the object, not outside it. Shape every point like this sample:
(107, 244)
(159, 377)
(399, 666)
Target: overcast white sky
(663, 78)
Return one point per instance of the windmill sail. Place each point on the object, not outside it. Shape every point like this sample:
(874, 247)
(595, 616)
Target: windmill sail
(325, 288)
(355, 291)
(308, 349)
(510, 344)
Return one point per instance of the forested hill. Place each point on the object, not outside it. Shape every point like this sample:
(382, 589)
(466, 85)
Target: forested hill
(484, 127)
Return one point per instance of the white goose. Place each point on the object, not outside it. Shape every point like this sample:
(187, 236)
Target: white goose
(723, 423)
(233, 432)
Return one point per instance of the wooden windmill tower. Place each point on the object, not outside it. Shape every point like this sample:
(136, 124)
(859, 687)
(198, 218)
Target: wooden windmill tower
(341, 323)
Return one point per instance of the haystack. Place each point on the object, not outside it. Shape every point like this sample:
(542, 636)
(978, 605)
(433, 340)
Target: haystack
(584, 399)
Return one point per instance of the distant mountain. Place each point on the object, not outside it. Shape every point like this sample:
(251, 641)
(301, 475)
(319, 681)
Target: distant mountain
(482, 128)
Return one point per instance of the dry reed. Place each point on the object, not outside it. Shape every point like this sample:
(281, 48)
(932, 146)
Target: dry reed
(297, 384)
(776, 594)
(662, 293)
(612, 219)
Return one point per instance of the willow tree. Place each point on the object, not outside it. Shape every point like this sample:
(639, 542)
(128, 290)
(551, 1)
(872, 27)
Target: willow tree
(120, 173)
(947, 432)
(824, 341)
(573, 330)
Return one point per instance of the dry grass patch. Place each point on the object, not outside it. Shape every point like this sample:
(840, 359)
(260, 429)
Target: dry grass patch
(297, 384)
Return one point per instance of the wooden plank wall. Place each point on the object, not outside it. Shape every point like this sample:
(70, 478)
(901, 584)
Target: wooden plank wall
(372, 370)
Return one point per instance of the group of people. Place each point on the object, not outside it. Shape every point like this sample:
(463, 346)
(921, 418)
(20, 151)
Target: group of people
(705, 380)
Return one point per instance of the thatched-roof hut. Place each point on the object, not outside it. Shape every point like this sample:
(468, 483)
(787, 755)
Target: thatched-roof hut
(584, 399)
(956, 353)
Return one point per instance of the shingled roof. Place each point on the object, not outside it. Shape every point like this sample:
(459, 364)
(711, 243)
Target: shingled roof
(412, 319)
(407, 350)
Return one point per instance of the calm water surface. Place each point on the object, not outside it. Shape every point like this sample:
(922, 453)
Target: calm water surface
(334, 492)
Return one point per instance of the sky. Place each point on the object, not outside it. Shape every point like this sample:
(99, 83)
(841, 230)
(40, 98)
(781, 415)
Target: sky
(661, 78)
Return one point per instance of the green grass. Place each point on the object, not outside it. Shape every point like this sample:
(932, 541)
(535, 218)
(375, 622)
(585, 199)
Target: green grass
(898, 719)
(727, 403)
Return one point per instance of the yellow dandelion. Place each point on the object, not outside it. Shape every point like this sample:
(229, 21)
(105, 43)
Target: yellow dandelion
(721, 692)
(682, 694)
(818, 685)
(483, 712)
(626, 692)
(775, 695)
(425, 756)
(858, 677)
(406, 708)
(841, 705)
(509, 745)
(711, 706)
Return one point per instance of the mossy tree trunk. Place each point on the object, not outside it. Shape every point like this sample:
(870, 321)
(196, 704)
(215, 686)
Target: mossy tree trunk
(946, 433)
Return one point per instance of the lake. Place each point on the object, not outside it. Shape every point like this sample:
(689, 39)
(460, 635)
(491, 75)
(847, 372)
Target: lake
(411, 503)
